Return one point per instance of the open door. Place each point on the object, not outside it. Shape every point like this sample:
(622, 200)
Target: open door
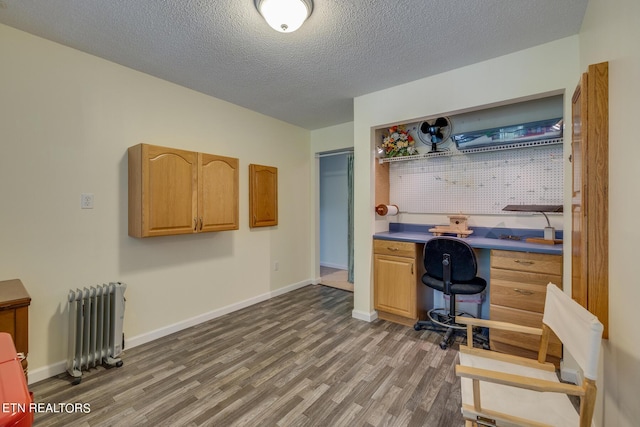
(590, 188)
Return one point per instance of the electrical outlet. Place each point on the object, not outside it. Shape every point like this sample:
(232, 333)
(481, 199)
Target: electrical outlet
(276, 266)
(86, 201)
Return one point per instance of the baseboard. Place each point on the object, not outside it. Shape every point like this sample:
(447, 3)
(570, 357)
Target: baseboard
(196, 320)
(45, 372)
(361, 315)
(331, 265)
(60, 367)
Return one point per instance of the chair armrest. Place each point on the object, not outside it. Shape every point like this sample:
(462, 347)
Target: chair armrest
(518, 381)
(484, 323)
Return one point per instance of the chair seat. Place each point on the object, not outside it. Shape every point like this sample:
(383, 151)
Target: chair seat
(549, 408)
(474, 286)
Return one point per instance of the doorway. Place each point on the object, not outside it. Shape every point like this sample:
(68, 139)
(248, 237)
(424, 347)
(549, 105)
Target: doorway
(336, 219)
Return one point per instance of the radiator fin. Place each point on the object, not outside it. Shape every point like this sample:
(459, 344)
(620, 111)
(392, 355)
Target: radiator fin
(96, 316)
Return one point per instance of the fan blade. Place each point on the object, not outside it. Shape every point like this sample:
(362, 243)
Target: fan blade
(436, 137)
(441, 122)
(424, 127)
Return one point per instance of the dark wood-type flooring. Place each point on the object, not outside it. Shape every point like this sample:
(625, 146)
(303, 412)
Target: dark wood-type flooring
(296, 360)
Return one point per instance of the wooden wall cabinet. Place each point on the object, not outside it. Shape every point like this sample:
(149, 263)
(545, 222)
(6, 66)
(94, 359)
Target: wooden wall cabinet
(590, 188)
(399, 295)
(517, 295)
(174, 191)
(14, 315)
(263, 196)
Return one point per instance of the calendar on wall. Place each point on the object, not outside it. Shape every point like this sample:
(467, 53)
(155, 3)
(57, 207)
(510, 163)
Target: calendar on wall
(478, 183)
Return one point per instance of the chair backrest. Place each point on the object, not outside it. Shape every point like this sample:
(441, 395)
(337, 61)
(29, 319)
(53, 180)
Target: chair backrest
(578, 329)
(464, 265)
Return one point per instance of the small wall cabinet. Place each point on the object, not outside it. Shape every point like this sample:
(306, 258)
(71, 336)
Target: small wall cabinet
(517, 295)
(263, 196)
(399, 295)
(174, 191)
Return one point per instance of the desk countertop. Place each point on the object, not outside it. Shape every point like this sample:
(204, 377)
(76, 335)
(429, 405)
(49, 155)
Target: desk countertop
(483, 238)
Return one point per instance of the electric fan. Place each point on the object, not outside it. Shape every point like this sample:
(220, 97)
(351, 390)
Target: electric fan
(434, 132)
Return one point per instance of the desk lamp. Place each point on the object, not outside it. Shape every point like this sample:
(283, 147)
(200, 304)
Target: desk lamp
(549, 231)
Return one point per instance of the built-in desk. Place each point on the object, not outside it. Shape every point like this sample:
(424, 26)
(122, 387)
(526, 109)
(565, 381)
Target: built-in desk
(482, 238)
(516, 272)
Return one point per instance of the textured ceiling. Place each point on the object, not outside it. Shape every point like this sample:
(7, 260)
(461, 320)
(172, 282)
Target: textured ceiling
(308, 78)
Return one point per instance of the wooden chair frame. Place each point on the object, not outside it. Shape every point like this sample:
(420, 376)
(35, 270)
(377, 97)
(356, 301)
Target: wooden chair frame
(586, 391)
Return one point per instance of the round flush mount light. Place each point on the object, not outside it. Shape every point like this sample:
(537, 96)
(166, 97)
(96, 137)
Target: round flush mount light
(285, 16)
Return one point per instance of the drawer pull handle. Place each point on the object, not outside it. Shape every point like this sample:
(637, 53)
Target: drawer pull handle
(524, 262)
(523, 291)
(392, 249)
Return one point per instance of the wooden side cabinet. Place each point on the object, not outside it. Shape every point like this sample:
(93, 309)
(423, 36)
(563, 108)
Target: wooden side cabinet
(399, 295)
(517, 295)
(14, 315)
(174, 191)
(263, 196)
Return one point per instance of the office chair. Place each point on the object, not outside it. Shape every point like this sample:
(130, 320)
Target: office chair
(451, 268)
(506, 390)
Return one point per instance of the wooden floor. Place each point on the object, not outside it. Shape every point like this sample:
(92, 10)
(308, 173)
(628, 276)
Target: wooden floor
(335, 277)
(296, 360)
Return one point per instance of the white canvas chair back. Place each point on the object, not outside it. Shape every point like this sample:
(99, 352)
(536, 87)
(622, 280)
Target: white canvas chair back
(507, 390)
(579, 330)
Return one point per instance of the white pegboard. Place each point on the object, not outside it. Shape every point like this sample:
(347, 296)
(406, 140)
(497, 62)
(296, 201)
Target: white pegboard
(478, 183)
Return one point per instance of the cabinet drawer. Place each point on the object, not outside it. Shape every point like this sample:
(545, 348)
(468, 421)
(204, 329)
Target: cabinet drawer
(517, 339)
(519, 289)
(395, 248)
(525, 261)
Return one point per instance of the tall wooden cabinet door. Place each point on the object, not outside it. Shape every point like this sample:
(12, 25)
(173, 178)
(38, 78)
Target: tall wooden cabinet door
(169, 191)
(217, 193)
(263, 196)
(590, 215)
(395, 285)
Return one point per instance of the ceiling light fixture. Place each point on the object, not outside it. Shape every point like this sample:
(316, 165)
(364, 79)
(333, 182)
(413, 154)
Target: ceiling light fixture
(285, 16)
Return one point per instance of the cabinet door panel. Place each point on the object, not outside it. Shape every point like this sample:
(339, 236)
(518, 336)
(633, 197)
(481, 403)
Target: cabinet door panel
(395, 285)
(263, 196)
(171, 192)
(217, 193)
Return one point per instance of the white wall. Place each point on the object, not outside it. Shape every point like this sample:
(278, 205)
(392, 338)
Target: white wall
(334, 209)
(610, 32)
(547, 69)
(66, 120)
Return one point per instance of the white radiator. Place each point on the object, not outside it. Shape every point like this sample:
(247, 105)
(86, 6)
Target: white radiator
(96, 316)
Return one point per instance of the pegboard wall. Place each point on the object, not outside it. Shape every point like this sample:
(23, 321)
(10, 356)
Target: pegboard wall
(478, 183)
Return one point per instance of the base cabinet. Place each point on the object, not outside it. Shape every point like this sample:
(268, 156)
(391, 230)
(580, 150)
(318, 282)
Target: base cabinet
(518, 290)
(398, 292)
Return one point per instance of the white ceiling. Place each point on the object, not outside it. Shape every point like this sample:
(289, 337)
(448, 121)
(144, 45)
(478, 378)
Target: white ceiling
(308, 78)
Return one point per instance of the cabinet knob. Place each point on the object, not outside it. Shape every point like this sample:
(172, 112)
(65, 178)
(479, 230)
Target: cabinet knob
(524, 262)
(200, 223)
(392, 249)
(523, 291)
(195, 224)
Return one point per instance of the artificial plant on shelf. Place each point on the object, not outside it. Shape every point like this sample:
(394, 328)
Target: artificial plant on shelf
(398, 143)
